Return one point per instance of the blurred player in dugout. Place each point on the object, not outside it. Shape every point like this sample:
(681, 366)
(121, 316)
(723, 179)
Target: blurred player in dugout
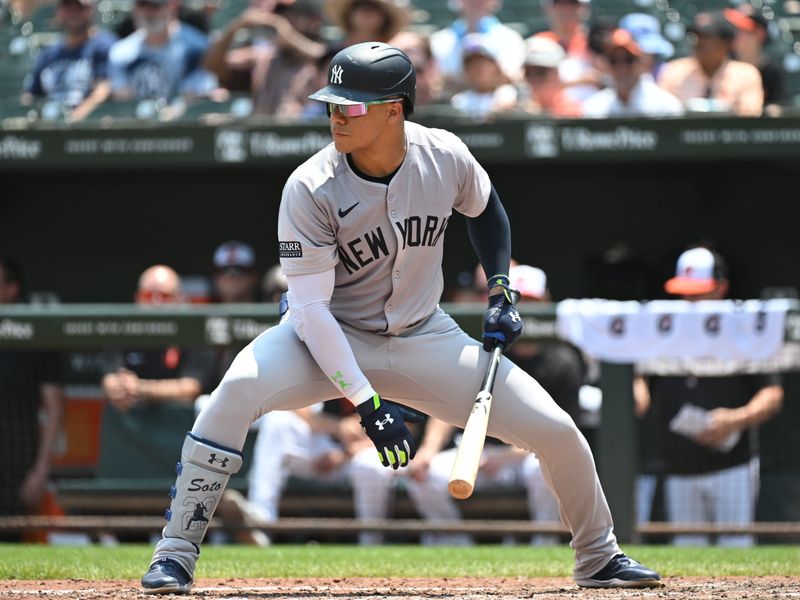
(710, 476)
(32, 403)
(174, 374)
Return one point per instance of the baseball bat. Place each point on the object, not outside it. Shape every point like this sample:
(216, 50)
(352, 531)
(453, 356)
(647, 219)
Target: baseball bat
(468, 457)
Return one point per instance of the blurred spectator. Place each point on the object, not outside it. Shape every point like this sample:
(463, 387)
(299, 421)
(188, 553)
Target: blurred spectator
(32, 402)
(646, 31)
(367, 20)
(546, 92)
(598, 33)
(235, 277)
(73, 72)
(161, 60)
(273, 284)
(710, 80)
(705, 427)
(280, 69)
(152, 376)
(477, 17)
(568, 26)
(196, 17)
(749, 45)
(633, 91)
(235, 280)
(489, 90)
(23, 8)
(429, 78)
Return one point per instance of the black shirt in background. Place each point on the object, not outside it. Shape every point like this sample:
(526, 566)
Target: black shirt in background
(677, 454)
(174, 362)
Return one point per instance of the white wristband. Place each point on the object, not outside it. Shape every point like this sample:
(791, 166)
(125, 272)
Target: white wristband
(361, 395)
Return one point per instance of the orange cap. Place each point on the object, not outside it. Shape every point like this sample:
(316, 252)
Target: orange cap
(740, 20)
(621, 38)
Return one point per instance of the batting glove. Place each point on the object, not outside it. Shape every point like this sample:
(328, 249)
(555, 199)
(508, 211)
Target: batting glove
(501, 322)
(385, 425)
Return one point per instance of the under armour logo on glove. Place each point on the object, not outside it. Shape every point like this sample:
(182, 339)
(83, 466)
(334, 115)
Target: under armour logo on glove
(385, 425)
(501, 322)
(388, 419)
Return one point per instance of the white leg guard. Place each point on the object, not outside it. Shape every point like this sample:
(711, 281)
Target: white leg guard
(203, 474)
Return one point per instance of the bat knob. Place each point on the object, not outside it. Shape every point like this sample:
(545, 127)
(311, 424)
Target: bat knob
(460, 489)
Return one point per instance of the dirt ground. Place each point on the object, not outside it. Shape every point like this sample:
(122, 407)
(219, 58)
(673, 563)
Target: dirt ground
(774, 588)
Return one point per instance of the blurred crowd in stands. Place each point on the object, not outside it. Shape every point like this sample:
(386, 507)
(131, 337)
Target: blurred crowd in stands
(171, 59)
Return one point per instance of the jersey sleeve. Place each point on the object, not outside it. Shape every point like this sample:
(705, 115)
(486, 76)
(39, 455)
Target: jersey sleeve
(116, 66)
(473, 181)
(306, 240)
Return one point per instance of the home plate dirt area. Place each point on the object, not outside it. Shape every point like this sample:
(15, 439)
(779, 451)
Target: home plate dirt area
(696, 588)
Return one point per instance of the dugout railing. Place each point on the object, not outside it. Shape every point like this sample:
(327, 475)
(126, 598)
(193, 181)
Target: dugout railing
(96, 500)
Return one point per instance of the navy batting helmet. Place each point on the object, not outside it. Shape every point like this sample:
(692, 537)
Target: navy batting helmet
(369, 71)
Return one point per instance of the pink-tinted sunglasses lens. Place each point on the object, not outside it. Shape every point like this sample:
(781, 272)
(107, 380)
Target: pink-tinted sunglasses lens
(348, 110)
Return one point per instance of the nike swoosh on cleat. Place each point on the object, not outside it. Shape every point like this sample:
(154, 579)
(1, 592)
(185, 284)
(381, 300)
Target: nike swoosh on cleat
(344, 213)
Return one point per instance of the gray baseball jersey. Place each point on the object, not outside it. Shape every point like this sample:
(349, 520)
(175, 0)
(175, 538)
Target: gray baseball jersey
(386, 242)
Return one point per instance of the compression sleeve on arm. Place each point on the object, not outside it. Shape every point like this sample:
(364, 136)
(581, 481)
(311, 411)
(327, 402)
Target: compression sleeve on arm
(311, 318)
(490, 235)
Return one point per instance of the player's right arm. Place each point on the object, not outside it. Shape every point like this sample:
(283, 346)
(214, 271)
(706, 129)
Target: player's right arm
(312, 320)
(307, 249)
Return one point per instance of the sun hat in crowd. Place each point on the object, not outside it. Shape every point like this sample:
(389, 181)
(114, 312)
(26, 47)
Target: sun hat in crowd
(397, 12)
(622, 38)
(646, 30)
(543, 51)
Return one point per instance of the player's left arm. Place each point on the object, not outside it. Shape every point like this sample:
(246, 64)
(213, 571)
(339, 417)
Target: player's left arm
(490, 235)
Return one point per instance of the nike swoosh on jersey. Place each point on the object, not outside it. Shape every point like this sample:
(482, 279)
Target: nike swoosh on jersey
(344, 213)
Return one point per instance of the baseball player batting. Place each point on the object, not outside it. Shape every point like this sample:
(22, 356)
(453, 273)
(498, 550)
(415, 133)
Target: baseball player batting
(361, 234)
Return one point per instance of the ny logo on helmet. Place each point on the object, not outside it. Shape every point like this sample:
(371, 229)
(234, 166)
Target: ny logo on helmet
(336, 74)
(388, 419)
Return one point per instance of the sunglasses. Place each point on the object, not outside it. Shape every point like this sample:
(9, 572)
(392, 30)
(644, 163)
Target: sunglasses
(621, 60)
(155, 297)
(356, 110)
(537, 72)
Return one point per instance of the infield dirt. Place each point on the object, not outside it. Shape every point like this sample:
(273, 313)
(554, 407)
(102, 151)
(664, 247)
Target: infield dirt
(699, 588)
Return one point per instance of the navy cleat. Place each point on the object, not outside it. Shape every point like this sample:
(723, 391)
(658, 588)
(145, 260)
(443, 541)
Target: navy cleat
(166, 576)
(622, 572)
